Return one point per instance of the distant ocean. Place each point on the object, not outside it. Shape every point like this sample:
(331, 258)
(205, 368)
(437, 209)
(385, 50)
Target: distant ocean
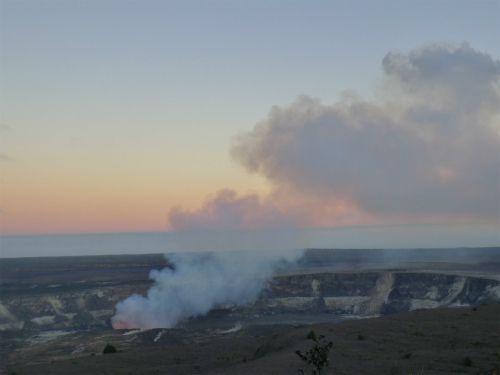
(361, 237)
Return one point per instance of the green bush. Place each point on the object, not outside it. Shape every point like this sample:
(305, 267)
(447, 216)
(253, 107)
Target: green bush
(317, 356)
(311, 335)
(361, 337)
(109, 349)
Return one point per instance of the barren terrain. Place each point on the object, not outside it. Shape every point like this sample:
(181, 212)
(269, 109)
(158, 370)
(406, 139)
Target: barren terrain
(440, 307)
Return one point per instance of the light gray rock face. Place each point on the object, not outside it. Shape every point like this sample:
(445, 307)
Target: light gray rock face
(379, 293)
(84, 308)
(357, 294)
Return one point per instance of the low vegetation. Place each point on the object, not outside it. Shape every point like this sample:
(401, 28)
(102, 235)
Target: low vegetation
(467, 361)
(316, 358)
(311, 335)
(109, 349)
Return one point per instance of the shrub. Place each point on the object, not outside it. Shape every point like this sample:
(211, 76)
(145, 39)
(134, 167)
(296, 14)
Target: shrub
(311, 335)
(361, 337)
(467, 361)
(109, 349)
(317, 356)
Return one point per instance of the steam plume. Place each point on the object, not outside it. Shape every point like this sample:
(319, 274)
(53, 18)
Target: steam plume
(197, 283)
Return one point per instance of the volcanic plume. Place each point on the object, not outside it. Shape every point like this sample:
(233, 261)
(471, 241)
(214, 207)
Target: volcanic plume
(196, 283)
(426, 149)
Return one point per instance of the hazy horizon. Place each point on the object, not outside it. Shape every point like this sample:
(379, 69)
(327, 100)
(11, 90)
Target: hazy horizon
(348, 237)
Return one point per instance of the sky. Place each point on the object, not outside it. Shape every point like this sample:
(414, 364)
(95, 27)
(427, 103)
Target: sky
(133, 116)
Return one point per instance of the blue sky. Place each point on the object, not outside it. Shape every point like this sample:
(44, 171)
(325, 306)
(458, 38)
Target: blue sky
(115, 112)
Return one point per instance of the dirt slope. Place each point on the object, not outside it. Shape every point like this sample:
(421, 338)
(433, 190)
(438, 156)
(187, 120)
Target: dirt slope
(436, 341)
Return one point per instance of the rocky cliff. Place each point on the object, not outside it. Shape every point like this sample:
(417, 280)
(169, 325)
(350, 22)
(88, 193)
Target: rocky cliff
(88, 305)
(63, 306)
(375, 293)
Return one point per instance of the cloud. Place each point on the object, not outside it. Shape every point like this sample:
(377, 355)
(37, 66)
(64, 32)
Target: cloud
(459, 78)
(427, 149)
(227, 210)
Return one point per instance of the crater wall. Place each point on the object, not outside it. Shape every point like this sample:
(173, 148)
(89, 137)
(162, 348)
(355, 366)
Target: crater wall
(91, 305)
(375, 293)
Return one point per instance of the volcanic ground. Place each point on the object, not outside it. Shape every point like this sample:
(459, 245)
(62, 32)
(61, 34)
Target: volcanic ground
(420, 311)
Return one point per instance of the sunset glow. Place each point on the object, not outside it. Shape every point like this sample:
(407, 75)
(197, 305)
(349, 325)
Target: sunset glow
(157, 119)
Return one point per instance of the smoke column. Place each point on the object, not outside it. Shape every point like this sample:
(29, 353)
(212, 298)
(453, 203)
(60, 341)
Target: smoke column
(198, 282)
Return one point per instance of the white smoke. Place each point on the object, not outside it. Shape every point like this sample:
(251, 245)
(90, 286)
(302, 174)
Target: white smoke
(199, 282)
